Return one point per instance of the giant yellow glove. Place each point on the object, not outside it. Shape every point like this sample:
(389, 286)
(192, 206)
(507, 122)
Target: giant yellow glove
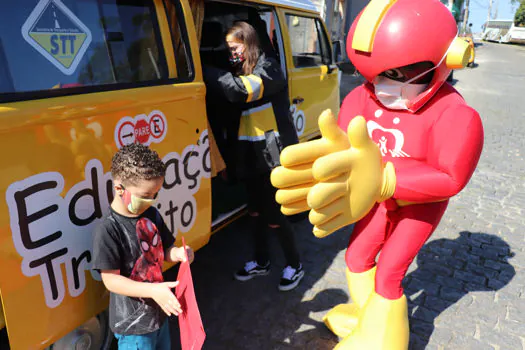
(294, 178)
(350, 182)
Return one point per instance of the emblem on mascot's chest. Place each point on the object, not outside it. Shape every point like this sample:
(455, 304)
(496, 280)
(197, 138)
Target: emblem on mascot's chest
(390, 141)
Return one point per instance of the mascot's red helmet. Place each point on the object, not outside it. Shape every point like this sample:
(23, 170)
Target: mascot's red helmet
(390, 34)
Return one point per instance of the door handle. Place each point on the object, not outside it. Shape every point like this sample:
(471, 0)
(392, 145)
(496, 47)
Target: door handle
(297, 100)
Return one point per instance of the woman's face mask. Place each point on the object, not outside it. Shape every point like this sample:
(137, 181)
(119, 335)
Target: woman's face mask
(236, 52)
(136, 205)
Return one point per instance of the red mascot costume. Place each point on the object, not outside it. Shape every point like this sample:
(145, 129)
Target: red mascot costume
(411, 143)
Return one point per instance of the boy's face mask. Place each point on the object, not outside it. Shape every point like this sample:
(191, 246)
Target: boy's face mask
(135, 204)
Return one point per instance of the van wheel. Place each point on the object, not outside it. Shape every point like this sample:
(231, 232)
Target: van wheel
(95, 334)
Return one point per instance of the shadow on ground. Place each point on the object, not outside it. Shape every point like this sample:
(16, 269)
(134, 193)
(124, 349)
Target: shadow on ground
(254, 314)
(448, 269)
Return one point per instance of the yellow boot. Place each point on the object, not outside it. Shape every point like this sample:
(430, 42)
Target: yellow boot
(342, 319)
(383, 325)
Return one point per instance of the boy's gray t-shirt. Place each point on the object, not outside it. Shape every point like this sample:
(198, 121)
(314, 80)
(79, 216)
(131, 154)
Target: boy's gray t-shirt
(116, 247)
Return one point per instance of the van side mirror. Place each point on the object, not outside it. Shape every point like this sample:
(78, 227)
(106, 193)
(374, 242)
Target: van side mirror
(337, 51)
(328, 63)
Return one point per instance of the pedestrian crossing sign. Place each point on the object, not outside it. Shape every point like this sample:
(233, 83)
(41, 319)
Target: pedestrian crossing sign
(56, 33)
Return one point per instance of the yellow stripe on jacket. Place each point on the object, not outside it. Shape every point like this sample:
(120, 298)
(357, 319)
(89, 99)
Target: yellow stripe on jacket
(254, 86)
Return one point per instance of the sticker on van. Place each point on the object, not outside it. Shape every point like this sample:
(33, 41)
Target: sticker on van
(57, 34)
(142, 128)
(299, 120)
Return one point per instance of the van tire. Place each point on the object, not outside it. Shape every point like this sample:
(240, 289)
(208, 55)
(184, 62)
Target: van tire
(95, 327)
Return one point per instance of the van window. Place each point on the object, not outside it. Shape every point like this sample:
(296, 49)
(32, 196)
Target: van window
(180, 39)
(274, 33)
(309, 43)
(48, 45)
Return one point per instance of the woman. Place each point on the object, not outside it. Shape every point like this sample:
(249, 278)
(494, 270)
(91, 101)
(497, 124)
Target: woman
(265, 128)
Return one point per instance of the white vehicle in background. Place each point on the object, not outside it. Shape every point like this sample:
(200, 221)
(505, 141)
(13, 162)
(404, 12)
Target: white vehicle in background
(503, 31)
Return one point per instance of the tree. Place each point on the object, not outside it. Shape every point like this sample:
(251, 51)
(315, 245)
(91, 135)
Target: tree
(465, 18)
(455, 7)
(519, 17)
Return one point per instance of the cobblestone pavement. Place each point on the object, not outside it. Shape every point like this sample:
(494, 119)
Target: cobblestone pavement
(466, 286)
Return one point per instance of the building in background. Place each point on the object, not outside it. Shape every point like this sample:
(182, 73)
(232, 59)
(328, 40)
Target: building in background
(338, 16)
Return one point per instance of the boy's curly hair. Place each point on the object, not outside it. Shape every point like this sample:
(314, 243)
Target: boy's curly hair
(135, 162)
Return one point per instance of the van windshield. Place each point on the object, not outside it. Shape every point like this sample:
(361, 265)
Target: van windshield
(48, 44)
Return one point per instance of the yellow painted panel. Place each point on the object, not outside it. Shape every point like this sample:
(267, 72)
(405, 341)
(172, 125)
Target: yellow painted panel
(56, 185)
(319, 91)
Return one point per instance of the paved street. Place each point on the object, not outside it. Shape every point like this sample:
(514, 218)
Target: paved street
(466, 287)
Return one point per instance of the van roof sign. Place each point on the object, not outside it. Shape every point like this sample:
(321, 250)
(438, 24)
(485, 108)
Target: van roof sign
(302, 4)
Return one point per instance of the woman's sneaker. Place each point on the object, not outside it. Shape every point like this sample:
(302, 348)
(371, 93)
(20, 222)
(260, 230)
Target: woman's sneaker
(291, 278)
(251, 270)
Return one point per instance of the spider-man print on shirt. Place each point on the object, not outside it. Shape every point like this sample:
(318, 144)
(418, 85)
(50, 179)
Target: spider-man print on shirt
(148, 267)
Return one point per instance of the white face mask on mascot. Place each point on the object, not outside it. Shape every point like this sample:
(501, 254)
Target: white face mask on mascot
(395, 94)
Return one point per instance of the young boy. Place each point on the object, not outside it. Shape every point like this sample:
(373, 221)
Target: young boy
(129, 247)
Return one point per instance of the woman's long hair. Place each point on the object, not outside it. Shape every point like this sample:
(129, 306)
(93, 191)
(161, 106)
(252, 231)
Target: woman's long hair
(244, 33)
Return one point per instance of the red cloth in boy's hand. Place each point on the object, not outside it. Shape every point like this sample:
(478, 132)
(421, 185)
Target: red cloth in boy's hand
(192, 333)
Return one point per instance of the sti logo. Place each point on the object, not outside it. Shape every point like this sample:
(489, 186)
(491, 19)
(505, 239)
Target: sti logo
(57, 34)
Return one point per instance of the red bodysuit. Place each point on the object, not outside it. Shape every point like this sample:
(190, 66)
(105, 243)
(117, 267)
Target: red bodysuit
(434, 152)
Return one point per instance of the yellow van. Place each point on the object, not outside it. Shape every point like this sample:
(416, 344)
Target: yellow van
(81, 78)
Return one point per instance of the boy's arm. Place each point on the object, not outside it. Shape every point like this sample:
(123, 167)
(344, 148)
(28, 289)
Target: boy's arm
(176, 254)
(160, 292)
(171, 253)
(106, 259)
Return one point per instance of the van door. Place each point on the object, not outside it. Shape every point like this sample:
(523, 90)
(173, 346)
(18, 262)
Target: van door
(78, 80)
(229, 197)
(312, 76)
